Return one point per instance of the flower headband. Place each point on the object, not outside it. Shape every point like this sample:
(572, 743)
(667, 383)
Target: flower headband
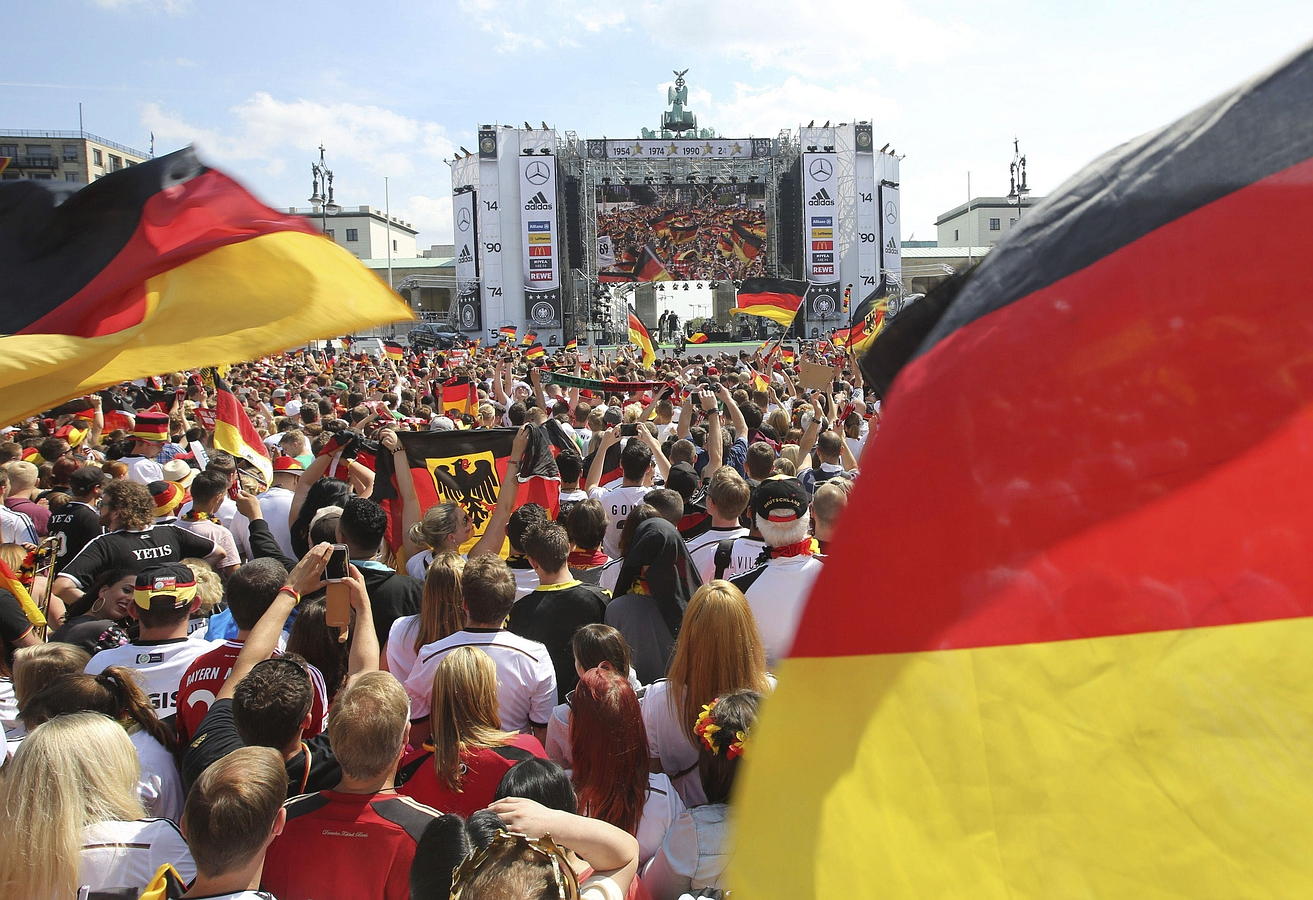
(707, 729)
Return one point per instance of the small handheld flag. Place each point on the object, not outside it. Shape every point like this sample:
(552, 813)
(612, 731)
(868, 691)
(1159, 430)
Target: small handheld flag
(640, 337)
(777, 299)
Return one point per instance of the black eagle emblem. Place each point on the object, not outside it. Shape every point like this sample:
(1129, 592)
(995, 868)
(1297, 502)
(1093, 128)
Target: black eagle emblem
(474, 485)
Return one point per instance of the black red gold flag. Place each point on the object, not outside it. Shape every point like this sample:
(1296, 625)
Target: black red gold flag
(535, 352)
(394, 351)
(163, 264)
(650, 268)
(468, 468)
(777, 299)
(234, 432)
(458, 395)
(641, 338)
(1085, 671)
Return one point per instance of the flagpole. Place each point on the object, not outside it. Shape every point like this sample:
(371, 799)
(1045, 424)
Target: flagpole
(387, 211)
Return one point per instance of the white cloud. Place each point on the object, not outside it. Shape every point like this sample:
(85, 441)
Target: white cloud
(271, 141)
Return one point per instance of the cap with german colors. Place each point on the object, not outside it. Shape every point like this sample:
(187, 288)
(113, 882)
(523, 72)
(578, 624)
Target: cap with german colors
(780, 499)
(167, 497)
(288, 464)
(151, 426)
(165, 587)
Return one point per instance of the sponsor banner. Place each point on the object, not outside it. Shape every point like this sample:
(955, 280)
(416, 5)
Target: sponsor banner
(891, 250)
(543, 308)
(820, 188)
(605, 251)
(682, 148)
(823, 301)
(464, 208)
(539, 223)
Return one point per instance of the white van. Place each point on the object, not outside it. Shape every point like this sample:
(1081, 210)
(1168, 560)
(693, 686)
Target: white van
(371, 346)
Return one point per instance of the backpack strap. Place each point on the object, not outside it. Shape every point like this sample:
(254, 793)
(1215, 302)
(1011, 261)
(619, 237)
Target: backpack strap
(724, 555)
(744, 581)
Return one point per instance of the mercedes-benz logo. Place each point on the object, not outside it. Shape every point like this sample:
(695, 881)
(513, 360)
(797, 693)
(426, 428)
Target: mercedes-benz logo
(820, 169)
(890, 212)
(537, 172)
(542, 313)
(463, 220)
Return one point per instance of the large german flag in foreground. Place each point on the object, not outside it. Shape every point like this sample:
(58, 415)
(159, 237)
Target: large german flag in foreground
(162, 264)
(776, 299)
(641, 338)
(1086, 671)
(467, 468)
(869, 321)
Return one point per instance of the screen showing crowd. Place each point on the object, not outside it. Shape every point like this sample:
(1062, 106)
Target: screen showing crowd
(681, 232)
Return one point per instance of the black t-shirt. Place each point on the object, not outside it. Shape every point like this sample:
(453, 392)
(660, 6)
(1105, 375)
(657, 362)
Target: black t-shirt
(75, 526)
(315, 768)
(551, 615)
(13, 625)
(135, 551)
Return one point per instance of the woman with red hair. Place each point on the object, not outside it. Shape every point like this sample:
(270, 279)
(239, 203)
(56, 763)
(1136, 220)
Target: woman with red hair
(608, 746)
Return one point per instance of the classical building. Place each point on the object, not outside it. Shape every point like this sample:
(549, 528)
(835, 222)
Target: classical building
(74, 156)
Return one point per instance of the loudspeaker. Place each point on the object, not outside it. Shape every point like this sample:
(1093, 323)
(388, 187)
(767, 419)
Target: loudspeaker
(788, 219)
(574, 230)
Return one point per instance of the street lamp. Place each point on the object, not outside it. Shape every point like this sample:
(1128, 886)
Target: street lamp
(1019, 189)
(323, 203)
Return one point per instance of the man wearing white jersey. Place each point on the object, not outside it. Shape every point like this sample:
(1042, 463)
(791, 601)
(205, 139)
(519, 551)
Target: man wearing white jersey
(725, 550)
(636, 462)
(163, 599)
(526, 679)
(777, 589)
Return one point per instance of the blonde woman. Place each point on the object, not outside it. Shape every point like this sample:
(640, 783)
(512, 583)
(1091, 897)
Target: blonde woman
(35, 667)
(460, 770)
(441, 612)
(209, 587)
(70, 813)
(718, 650)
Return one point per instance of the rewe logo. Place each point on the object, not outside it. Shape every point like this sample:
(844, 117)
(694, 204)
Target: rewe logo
(821, 198)
(538, 201)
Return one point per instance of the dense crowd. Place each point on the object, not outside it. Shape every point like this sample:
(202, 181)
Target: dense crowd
(694, 242)
(492, 698)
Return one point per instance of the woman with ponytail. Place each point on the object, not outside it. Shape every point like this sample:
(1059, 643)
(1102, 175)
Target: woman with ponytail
(115, 693)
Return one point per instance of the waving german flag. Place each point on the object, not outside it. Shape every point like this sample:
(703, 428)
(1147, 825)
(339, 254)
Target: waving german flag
(698, 338)
(529, 338)
(535, 352)
(159, 265)
(1086, 671)
(641, 338)
(506, 333)
(777, 299)
(650, 268)
(234, 432)
(571, 345)
(393, 351)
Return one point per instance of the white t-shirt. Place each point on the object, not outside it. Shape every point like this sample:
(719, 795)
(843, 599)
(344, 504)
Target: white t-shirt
(526, 581)
(616, 504)
(743, 557)
(526, 679)
(127, 854)
(16, 527)
(159, 665)
(777, 597)
(400, 649)
(418, 565)
(275, 506)
(160, 785)
(142, 470)
(660, 810)
(702, 549)
(223, 540)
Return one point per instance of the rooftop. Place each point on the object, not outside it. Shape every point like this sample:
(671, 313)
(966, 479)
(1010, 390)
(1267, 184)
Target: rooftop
(942, 252)
(986, 203)
(411, 262)
(352, 212)
(72, 135)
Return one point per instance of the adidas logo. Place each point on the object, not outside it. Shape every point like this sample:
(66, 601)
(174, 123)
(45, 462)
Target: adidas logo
(820, 198)
(538, 201)
(892, 246)
(465, 254)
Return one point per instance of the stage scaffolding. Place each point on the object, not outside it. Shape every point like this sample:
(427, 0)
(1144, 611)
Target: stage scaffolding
(575, 163)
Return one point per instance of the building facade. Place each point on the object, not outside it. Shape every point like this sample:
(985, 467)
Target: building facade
(74, 156)
(981, 221)
(365, 231)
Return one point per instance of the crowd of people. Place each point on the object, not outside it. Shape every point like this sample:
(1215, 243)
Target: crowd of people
(253, 686)
(692, 239)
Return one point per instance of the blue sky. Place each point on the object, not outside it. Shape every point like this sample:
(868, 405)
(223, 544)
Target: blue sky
(392, 89)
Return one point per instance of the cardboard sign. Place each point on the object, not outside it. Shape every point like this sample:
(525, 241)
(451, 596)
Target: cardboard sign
(815, 375)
